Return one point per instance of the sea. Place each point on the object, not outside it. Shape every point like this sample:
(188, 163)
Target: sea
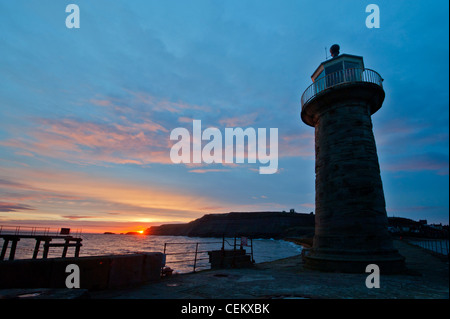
(180, 250)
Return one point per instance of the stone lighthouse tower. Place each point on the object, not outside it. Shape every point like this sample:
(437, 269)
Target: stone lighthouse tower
(351, 220)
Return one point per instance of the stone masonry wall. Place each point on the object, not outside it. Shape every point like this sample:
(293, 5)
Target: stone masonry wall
(350, 204)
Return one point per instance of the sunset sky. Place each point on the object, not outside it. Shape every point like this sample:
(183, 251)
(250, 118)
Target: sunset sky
(86, 114)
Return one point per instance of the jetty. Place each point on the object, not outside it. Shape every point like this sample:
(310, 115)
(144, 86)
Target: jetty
(96, 272)
(43, 235)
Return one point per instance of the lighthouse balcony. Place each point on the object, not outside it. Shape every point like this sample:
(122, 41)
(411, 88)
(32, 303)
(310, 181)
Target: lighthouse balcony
(359, 83)
(339, 78)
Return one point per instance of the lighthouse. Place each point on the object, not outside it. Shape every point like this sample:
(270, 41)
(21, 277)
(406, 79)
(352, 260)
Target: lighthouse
(351, 225)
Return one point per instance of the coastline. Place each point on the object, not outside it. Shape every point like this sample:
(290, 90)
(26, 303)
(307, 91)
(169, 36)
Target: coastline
(304, 242)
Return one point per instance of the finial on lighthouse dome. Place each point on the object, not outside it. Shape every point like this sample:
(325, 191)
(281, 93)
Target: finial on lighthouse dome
(334, 50)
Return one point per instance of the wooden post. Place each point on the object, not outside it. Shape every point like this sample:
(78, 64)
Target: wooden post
(234, 253)
(165, 257)
(222, 257)
(66, 246)
(4, 248)
(46, 247)
(13, 248)
(251, 243)
(36, 248)
(77, 248)
(195, 258)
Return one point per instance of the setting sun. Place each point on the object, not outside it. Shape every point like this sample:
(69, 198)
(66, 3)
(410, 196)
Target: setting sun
(140, 231)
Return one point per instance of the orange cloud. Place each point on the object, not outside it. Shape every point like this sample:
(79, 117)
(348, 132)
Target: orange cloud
(63, 195)
(94, 143)
(100, 102)
(308, 205)
(202, 171)
(239, 121)
(296, 144)
(77, 217)
(164, 105)
(185, 119)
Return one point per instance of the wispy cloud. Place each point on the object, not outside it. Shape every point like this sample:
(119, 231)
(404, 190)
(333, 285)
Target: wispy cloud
(96, 143)
(106, 199)
(210, 170)
(408, 136)
(308, 205)
(14, 207)
(422, 162)
(298, 144)
(158, 104)
(243, 120)
(77, 217)
(101, 102)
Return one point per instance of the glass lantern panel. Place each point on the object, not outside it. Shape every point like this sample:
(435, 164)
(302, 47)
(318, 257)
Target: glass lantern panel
(334, 74)
(352, 71)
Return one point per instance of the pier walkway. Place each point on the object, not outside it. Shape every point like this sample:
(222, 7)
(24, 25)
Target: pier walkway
(426, 278)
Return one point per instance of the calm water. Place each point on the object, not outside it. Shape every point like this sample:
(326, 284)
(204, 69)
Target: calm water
(100, 244)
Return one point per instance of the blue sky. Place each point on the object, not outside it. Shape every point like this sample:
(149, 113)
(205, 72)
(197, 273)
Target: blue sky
(86, 114)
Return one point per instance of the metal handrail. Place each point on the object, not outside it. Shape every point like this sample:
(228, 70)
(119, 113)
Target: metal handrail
(353, 75)
(24, 230)
(35, 231)
(196, 252)
(439, 246)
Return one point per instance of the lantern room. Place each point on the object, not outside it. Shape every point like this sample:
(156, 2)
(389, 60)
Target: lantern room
(339, 66)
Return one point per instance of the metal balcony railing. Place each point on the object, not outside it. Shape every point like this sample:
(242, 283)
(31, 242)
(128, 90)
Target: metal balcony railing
(338, 78)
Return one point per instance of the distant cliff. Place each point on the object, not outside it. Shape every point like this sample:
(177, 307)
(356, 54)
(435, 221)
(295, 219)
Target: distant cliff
(251, 224)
